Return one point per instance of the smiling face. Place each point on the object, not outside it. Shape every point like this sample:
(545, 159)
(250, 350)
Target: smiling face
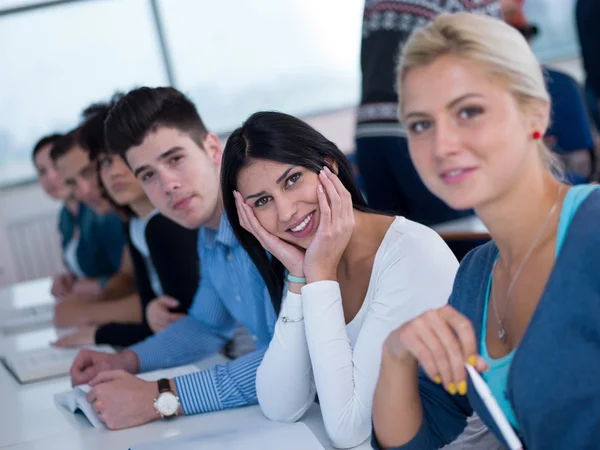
(80, 175)
(48, 175)
(283, 198)
(118, 180)
(469, 138)
(180, 178)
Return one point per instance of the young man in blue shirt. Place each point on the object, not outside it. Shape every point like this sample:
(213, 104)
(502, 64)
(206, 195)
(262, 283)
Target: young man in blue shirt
(177, 161)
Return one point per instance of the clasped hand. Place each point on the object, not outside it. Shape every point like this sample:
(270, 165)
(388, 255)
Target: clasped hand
(322, 256)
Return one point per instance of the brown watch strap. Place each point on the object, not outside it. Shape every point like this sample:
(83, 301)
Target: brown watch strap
(164, 385)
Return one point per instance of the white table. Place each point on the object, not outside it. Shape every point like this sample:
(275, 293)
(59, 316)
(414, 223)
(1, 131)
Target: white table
(22, 296)
(30, 420)
(28, 293)
(466, 228)
(30, 339)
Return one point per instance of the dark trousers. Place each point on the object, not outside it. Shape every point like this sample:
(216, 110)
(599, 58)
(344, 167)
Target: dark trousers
(591, 100)
(392, 184)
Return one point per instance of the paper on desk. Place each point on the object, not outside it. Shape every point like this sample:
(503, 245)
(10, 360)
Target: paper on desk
(74, 400)
(41, 363)
(15, 318)
(255, 432)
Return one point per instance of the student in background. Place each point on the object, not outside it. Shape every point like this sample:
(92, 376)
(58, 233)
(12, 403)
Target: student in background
(587, 13)
(524, 308)
(98, 234)
(65, 283)
(177, 161)
(354, 275)
(163, 253)
(390, 179)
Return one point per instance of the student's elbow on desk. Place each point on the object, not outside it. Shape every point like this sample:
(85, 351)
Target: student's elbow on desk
(277, 408)
(344, 435)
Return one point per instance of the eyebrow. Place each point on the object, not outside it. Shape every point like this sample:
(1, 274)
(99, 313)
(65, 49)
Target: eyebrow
(450, 105)
(160, 157)
(284, 174)
(87, 167)
(279, 180)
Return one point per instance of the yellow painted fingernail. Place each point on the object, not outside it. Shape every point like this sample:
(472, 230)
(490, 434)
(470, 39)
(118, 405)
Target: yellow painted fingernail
(472, 360)
(451, 388)
(462, 388)
(437, 380)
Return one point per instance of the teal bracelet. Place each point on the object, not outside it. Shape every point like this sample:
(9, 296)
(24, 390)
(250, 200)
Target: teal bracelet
(294, 279)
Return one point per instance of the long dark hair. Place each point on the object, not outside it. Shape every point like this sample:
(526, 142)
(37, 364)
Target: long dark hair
(282, 138)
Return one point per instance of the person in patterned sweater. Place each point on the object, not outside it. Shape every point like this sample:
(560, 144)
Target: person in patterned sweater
(391, 182)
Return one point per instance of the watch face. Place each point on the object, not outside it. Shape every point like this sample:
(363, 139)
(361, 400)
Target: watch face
(167, 404)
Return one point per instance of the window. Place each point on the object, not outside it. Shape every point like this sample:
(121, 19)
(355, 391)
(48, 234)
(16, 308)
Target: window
(232, 59)
(557, 38)
(296, 56)
(57, 60)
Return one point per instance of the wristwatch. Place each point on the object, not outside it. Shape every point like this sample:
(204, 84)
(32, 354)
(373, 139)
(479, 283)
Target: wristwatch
(166, 402)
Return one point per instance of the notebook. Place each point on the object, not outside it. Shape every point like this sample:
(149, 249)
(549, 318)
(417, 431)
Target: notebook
(74, 400)
(255, 432)
(42, 363)
(12, 319)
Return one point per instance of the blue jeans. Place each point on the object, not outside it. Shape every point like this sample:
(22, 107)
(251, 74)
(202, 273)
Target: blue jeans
(392, 184)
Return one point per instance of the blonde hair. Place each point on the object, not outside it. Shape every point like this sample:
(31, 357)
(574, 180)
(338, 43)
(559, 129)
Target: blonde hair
(491, 43)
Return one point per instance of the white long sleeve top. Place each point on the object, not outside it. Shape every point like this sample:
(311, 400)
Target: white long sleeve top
(413, 271)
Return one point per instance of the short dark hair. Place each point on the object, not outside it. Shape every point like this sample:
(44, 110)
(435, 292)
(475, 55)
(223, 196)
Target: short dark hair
(143, 110)
(279, 137)
(92, 126)
(65, 144)
(50, 139)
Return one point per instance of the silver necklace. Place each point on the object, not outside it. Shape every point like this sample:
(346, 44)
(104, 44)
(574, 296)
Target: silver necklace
(500, 320)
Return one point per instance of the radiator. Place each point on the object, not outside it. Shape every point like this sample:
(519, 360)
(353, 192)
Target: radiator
(35, 246)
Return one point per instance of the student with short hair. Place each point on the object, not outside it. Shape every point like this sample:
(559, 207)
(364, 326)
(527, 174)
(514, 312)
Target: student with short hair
(97, 236)
(67, 282)
(163, 254)
(177, 161)
(524, 308)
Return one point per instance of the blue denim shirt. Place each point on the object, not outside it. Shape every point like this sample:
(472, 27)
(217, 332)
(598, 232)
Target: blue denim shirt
(101, 241)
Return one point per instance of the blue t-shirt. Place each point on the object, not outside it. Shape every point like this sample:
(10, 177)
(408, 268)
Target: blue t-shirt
(497, 374)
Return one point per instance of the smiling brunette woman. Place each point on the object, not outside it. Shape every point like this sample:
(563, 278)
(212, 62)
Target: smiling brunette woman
(354, 275)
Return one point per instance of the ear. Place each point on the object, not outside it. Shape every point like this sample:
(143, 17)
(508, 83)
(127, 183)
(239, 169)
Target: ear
(539, 116)
(332, 163)
(214, 149)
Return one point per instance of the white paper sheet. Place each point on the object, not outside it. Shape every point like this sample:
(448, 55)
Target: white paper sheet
(14, 318)
(42, 363)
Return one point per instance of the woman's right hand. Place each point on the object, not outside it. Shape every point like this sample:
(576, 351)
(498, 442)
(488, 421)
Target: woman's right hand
(441, 341)
(290, 256)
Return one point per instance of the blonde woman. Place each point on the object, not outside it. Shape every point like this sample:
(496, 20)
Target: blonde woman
(525, 307)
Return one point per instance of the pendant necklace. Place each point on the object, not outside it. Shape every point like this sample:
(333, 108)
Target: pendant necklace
(500, 319)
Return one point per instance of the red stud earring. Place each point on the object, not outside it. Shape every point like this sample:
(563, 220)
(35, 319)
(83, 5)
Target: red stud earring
(536, 135)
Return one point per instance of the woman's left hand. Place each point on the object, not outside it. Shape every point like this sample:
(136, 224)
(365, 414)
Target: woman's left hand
(336, 224)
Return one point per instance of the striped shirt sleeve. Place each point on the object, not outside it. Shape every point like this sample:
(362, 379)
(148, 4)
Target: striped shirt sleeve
(225, 386)
(202, 333)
